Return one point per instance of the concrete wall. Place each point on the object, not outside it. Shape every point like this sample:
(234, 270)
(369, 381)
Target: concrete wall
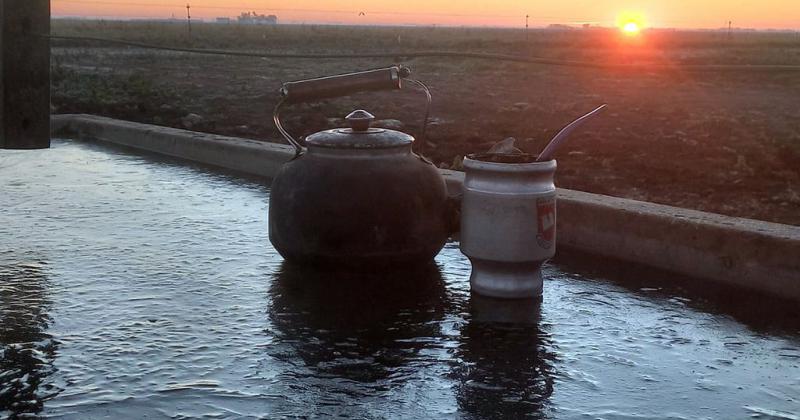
(748, 253)
(250, 156)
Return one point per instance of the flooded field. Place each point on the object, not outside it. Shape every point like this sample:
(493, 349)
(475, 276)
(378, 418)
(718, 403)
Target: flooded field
(136, 287)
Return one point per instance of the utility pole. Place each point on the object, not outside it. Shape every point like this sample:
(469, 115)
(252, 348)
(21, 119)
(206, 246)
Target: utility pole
(526, 27)
(729, 29)
(24, 74)
(189, 18)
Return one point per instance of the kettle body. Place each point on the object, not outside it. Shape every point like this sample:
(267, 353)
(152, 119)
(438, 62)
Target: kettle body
(358, 197)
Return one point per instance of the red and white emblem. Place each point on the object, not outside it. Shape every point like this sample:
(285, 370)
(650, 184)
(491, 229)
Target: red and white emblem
(546, 220)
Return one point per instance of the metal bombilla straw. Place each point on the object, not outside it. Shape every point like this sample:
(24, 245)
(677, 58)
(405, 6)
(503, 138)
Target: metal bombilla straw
(550, 149)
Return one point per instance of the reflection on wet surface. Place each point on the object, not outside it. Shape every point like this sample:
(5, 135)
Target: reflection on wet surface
(26, 350)
(360, 327)
(505, 360)
(135, 287)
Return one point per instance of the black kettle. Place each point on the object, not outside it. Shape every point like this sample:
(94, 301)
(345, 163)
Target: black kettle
(358, 195)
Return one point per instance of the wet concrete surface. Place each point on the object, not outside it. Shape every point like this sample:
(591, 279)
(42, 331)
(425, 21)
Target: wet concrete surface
(137, 287)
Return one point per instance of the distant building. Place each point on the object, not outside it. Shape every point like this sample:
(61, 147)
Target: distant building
(253, 18)
(224, 20)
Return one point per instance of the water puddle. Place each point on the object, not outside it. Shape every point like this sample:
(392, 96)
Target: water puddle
(132, 286)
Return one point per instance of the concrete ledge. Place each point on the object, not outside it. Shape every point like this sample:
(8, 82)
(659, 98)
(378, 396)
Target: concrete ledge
(752, 254)
(250, 156)
(749, 253)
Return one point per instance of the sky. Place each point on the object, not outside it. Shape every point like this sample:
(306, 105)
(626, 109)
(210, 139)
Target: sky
(760, 14)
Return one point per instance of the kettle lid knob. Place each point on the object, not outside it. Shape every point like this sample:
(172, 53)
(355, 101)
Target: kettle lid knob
(359, 120)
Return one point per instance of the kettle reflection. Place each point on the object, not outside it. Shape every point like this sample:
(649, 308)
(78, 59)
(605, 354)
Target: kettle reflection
(506, 367)
(356, 325)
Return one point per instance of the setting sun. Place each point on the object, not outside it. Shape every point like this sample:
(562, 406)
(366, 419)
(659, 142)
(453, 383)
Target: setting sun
(631, 27)
(630, 23)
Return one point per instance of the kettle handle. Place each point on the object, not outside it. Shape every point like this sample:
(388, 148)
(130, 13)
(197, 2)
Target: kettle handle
(302, 91)
(343, 84)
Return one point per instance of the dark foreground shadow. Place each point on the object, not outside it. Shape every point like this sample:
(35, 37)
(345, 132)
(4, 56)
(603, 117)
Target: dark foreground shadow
(27, 351)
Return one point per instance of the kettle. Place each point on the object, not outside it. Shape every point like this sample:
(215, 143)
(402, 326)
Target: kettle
(356, 196)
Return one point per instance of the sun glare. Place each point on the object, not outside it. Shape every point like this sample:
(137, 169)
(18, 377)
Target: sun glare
(630, 23)
(631, 28)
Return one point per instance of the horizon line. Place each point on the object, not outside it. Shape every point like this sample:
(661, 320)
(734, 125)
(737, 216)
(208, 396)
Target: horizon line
(563, 26)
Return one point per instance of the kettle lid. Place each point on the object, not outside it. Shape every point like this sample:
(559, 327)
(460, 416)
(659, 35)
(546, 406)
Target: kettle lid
(360, 135)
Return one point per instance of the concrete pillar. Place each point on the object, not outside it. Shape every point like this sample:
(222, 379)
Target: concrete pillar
(24, 74)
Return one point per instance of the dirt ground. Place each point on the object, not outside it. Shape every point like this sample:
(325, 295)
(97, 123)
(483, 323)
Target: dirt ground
(723, 142)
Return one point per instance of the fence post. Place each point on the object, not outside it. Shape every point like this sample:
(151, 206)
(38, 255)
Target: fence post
(24, 74)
